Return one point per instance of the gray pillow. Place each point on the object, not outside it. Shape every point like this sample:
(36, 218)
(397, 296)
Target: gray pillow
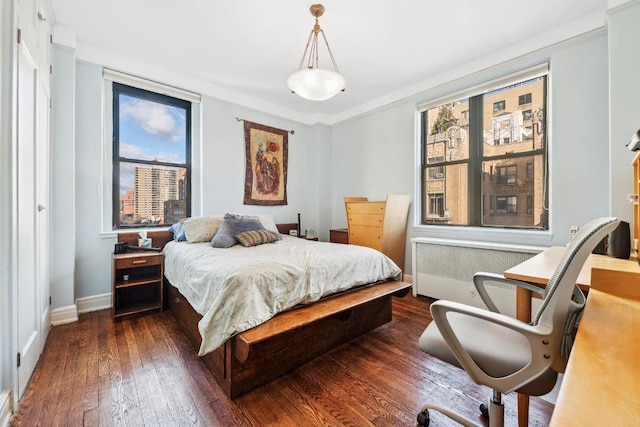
(233, 225)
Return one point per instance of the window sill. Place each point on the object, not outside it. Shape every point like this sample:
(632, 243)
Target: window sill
(486, 234)
(114, 234)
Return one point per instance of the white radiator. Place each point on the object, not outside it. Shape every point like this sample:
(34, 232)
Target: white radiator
(444, 269)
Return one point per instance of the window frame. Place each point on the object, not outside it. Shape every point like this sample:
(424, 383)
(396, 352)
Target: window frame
(147, 94)
(524, 99)
(475, 201)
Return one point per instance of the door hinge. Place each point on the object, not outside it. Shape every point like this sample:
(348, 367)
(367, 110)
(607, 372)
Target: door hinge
(18, 360)
(19, 35)
(49, 299)
(50, 69)
(50, 38)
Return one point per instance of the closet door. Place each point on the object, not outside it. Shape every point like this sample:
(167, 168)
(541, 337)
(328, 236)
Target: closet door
(27, 289)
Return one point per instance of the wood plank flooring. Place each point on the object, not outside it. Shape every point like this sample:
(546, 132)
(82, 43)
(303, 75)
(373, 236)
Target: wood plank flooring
(144, 372)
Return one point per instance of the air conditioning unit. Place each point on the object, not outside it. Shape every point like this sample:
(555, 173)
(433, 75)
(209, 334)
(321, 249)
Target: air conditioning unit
(502, 211)
(439, 175)
(511, 181)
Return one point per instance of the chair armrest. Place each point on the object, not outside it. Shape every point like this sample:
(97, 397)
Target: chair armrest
(537, 336)
(480, 278)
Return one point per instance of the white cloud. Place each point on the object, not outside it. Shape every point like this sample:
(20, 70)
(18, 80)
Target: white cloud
(157, 119)
(133, 152)
(136, 152)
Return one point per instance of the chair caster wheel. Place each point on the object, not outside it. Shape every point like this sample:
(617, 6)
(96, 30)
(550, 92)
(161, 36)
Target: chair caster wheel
(484, 410)
(423, 418)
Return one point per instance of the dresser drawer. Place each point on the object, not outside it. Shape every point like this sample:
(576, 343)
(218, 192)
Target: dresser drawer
(366, 220)
(366, 236)
(136, 260)
(366, 208)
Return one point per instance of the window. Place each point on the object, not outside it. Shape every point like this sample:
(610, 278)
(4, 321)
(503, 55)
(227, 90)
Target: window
(529, 204)
(507, 205)
(436, 173)
(464, 115)
(436, 207)
(526, 115)
(507, 175)
(524, 99)
(151, 158)
(479, 163)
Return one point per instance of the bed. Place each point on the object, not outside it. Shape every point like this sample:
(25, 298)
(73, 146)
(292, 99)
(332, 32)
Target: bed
(263, 335)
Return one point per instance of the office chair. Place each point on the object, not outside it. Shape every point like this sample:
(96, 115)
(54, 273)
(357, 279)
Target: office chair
(507, 354)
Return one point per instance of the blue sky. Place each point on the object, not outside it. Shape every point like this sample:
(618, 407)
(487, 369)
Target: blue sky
(149, 130)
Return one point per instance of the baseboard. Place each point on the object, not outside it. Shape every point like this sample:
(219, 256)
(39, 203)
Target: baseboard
(5, 408)
(94, 303)
(407, 278)
(62, 315)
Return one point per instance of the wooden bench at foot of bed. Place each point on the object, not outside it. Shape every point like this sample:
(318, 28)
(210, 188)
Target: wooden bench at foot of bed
(290, 339)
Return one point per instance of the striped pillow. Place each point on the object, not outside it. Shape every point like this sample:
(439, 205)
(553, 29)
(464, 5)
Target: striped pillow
(256, 237)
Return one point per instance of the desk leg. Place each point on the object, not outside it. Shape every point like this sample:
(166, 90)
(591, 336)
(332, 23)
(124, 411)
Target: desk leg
(523, 312)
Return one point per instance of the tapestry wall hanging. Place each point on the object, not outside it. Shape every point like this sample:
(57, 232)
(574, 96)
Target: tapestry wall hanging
(265, 181)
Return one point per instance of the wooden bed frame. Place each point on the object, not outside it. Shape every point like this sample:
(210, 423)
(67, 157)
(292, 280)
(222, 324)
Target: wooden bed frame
(290, 339)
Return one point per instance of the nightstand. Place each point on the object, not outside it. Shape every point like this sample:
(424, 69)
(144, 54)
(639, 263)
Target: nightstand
(339, 235)
(137, 279)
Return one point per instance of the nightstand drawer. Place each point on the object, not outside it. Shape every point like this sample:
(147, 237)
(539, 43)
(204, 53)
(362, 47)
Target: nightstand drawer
(136, 260)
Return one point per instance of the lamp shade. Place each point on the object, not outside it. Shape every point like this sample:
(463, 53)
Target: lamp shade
(316, 84)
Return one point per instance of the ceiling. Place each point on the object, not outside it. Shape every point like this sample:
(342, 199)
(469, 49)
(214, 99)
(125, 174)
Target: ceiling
(244, 50)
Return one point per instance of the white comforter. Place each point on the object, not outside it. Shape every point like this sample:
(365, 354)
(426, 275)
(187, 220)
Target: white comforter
(238, 288)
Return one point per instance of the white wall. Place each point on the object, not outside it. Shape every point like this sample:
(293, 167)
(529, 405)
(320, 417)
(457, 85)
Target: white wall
(624, 92)
(222, 162)
(62, 206)
(375, 154)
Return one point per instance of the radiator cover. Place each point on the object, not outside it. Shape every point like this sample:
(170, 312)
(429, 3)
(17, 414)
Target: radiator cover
(444, 269)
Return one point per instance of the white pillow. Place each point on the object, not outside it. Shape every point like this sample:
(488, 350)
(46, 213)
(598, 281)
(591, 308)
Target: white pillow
(201, 228)
(267, 222)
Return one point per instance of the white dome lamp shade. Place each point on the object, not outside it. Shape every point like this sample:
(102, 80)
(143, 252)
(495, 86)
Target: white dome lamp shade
(316, 84)
(311, 82)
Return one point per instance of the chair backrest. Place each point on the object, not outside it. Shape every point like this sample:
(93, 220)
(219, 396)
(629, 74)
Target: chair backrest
(556, 305)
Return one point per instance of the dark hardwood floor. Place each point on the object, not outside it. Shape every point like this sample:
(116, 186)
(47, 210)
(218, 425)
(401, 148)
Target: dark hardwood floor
(144, 372)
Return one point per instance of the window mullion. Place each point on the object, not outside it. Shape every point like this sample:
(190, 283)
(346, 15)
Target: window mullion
(474, 174)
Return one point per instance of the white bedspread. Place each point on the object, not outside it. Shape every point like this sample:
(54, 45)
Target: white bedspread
(238, 288)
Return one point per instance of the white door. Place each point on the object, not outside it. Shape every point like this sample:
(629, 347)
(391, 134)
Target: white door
(28, 295)
(42, 213)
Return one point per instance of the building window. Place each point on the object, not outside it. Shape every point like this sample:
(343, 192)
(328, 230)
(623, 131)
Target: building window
(480, 162)
(526, 115)
(436, 172)
(524, 99)
(529, 204)
(507, 205)
(507, 175)
(529, 172)
(498, 106)
(464, 115)
(436, 205)
(151, 158)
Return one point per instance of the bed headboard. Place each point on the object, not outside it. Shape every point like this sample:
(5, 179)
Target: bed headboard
(158, 238)
(285, 228)
(162, 237)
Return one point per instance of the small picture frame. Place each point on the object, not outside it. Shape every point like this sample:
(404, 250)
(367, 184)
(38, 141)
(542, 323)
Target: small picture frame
(293, 233)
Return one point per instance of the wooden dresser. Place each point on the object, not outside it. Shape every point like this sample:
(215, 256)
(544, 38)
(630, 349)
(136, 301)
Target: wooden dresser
(379, 225)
